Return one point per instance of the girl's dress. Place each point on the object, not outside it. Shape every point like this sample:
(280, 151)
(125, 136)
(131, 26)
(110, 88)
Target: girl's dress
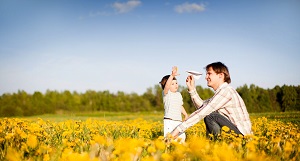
(173, 105)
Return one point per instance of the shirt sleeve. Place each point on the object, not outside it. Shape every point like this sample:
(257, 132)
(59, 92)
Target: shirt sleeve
(220, 98)
(197, 101)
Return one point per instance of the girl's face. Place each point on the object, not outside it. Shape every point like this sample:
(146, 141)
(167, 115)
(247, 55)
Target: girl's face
(174, 86)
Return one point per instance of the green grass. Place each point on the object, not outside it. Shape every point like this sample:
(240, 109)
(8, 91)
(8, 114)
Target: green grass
(109, 116)
(293, 117)
(289, 116)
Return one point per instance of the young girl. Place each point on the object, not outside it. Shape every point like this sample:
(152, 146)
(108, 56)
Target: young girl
(173, 104)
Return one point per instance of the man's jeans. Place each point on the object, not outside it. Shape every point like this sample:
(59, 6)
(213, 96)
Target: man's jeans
(214, 123)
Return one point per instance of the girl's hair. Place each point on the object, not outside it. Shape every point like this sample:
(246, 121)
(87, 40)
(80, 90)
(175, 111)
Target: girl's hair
(164, 81)
(219, 67)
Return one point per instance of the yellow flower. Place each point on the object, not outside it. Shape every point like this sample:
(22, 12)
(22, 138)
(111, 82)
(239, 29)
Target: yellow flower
(32, 141)
(13, 155)
(151, 149)
(100, 139)
(159, 144)
(288, 147)
(46, 157)
(225, 128)
(9, 135)
(166, 157)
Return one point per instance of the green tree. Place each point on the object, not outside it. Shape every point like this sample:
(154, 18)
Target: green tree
(9, 107)
(38, 103)
(289, 97)
(90, 101)
(297, 106)
(154, 98)
(52, 100)
(256, 99)
(244, 92)
(275, 103)
(23, 101)
(150, 96)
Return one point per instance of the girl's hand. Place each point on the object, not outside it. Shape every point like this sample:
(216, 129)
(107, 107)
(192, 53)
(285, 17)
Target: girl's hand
(174, 71)
(185, 117)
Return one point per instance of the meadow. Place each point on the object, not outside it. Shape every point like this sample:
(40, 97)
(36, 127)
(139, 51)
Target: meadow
(138, 136)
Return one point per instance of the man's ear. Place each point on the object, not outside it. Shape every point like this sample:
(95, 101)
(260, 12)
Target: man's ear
(221, 75)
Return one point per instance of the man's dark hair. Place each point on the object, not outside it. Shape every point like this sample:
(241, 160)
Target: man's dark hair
(219, 67)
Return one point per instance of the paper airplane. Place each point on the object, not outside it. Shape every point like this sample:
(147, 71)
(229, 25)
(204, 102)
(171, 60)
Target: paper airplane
(195, 74)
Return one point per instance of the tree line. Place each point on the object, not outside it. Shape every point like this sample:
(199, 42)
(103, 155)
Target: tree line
(278, 99)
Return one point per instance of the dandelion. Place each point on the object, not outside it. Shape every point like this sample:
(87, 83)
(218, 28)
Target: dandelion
(151, 149)
(225, 129)
(9, 136)
(288, 147)
(13, 155)
(141, 140)
(159, 144)
(100, 139)
(166, 157)
(32, 141)
(46, 157)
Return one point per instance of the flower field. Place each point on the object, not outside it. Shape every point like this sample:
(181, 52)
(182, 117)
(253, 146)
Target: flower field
(139, 139)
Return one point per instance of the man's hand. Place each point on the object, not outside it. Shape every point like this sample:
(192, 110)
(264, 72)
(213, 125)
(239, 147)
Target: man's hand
(190, 82)
(174, 133)
(168, 138)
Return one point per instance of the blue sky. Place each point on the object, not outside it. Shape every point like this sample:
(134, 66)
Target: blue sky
(129, 45)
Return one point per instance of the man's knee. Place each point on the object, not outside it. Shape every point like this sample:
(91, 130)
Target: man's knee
(206, 119)
(209, 117)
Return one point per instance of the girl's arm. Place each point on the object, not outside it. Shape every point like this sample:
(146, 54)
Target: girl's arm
(169, 81)
(184, 113)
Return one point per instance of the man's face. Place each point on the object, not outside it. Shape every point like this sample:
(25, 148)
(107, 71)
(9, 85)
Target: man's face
(212, 78)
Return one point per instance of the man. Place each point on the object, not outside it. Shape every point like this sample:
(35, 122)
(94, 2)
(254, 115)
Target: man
(225, 108)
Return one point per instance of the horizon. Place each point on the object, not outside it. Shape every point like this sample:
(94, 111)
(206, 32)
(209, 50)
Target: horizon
(116, 92)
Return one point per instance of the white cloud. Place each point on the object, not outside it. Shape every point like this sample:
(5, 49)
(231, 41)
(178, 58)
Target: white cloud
(127, 6)
(189, 8)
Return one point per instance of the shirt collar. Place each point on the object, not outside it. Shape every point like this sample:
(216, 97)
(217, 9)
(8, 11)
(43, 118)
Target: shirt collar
(225, 84)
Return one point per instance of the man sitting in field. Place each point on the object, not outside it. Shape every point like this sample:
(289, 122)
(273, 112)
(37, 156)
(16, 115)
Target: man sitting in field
(225, 108)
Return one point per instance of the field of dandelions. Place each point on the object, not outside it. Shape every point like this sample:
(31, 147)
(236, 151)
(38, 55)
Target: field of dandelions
(140, 139)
